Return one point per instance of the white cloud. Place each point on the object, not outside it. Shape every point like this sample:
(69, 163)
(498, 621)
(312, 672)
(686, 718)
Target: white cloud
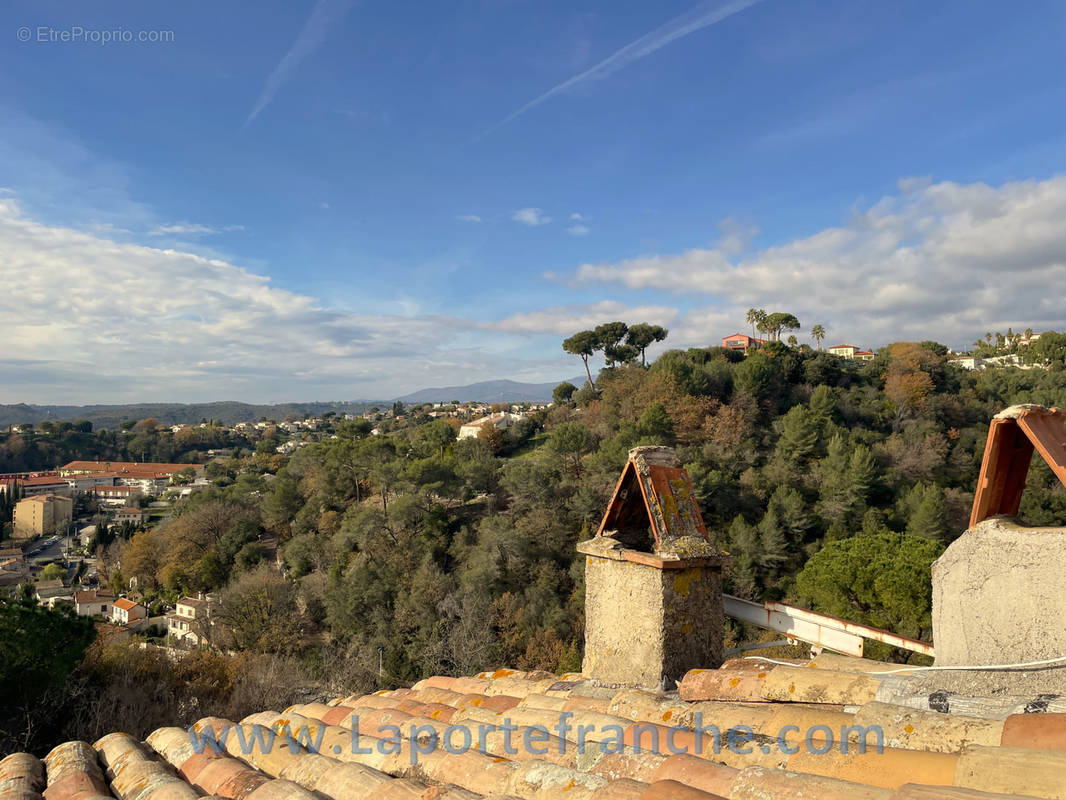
(468, 218)
(565, 320)
(6, 190)
(578, 230)
(944, 260)
(95, 320)
(575, 217)
(531, 216)
(324, 205)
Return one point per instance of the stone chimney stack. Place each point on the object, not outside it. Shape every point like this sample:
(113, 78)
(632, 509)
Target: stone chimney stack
(998, 589)
(653, 580)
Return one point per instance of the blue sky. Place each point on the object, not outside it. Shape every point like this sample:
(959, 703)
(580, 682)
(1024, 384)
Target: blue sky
(357, 199)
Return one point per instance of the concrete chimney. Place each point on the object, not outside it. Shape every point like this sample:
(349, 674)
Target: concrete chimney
(998, 589)
(653, 580)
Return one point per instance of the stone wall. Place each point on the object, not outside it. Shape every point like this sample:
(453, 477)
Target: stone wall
(999, 595)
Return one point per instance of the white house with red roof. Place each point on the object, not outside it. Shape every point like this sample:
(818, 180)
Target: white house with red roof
(125, 611)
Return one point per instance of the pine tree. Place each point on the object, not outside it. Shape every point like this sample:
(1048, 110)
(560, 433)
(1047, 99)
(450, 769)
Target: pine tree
(746, 551)
(834, 502)
(873, 523)
(799, 436)
(862, 471)
(823, 401)
(773, 543)
(792, 514)
(928, 513)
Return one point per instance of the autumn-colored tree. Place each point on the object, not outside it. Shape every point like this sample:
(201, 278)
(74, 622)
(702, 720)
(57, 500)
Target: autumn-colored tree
(491, 436)
(908, 378)
(908, 390)
(143, 558)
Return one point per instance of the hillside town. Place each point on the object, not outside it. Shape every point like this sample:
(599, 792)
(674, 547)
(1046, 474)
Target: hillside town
(59, 517)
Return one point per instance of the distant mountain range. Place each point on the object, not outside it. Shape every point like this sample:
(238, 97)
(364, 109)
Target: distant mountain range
(231, 412)
(111, 416)
(489, 392)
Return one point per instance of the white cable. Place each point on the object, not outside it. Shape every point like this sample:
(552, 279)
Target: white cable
(988, 668)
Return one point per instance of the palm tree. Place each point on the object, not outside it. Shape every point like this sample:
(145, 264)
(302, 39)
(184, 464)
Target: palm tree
(793, 341)
(818, 333)
(755, 318)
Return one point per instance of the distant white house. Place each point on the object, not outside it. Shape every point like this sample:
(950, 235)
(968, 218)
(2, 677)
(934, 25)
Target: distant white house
(500, 421)
(86, 534)
(967, 362)
(978, 363)
(124, 611)
(92, 602)
(51, 592)
(190, 620)
(1008, 360)
(850, 351)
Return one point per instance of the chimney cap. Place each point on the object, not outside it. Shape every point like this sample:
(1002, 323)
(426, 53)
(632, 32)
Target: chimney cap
(654, 510)
(654, 454)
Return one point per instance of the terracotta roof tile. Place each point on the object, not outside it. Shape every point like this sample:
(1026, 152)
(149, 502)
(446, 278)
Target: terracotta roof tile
(953, 757)
(1035, 731)
(672, 790)
(696, 772)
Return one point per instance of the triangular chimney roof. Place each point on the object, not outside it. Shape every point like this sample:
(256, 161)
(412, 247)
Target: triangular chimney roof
(1013, 435)
(653, 495)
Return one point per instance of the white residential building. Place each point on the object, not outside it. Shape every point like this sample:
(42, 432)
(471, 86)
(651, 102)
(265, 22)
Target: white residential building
(125, 611)
(92, 602)
(500, 421)
(189, 621)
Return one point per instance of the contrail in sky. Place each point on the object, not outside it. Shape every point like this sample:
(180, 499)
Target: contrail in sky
(689, 22)
(324, 16)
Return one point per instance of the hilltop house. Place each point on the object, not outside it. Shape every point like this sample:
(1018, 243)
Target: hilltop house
(13, 567)
(741, 341)
(851, 352)
(49, 592)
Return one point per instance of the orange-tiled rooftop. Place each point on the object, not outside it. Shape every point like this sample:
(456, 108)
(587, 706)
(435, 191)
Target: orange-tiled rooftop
(1003, 747)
